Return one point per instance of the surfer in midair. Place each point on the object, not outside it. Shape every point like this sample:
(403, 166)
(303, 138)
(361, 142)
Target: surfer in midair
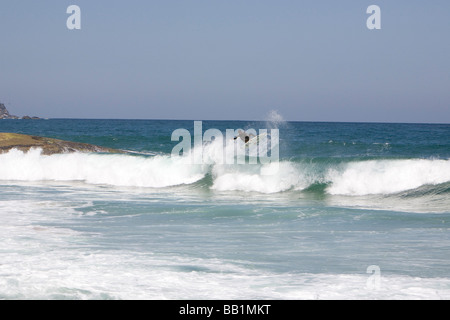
(244, 136)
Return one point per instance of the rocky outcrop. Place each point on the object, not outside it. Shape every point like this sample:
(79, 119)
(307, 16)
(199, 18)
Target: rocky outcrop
(3, 111)
(49, 146)
(4, 114)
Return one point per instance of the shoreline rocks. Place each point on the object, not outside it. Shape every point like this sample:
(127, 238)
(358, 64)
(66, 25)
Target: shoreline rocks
(49, 146)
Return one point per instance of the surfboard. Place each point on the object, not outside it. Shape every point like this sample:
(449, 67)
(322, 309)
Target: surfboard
(255, 139)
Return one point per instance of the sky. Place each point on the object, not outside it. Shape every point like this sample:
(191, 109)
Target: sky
(309, 60)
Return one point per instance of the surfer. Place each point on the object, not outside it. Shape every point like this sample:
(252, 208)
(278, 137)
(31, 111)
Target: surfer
(244, 136)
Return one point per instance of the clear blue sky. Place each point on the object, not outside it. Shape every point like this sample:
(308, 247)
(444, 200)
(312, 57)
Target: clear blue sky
(225, 59)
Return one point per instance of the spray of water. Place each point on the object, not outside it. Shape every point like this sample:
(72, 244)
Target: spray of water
(274, 119)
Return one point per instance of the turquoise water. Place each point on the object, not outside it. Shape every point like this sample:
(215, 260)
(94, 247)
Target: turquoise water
(345, 196)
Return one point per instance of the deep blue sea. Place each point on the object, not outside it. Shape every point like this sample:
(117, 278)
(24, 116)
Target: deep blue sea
(350, 211)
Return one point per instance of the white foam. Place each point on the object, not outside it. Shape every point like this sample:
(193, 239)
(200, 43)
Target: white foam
(268, 178)
(354, 178)
(387, 176)
(76, 274)
(116, 170)
(43, 259)
(156, 172)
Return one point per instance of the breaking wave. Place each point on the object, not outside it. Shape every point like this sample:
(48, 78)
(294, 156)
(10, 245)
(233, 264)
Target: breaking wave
(351, 178)
(387, 176)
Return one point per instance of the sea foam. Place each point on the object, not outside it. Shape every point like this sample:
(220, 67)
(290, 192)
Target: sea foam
(116, 170)
(387, 176)
(355, 178)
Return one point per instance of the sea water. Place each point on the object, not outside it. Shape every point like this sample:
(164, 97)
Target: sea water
(353, 211)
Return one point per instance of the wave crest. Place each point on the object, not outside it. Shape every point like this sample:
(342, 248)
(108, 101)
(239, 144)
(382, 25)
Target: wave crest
(355, 178)
(387, 176)
(116, 170)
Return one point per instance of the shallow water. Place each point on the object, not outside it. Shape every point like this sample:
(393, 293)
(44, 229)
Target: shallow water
(344, 197)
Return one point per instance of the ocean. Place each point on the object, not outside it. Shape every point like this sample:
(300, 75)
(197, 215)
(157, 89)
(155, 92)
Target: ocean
(351, 211)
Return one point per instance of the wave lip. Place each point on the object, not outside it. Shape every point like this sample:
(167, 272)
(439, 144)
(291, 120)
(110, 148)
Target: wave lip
(386, 176)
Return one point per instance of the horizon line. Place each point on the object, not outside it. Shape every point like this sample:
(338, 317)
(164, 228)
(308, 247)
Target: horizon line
(244, 120)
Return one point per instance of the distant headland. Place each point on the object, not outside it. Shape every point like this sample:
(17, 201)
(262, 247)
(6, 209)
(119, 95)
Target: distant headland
(4, 114)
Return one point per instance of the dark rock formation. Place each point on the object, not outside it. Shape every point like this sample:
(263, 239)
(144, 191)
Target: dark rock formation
(4, 113)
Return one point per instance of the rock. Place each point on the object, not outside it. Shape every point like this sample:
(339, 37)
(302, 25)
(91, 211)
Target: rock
(30, 118)
(49, 146)
(4, 113)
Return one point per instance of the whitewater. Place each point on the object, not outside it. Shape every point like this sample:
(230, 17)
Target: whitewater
(342, 199)
(354, 178)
